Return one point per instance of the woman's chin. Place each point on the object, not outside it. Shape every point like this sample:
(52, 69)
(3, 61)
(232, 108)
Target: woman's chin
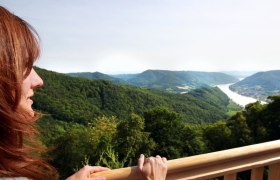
(27, 108)
(29, 111)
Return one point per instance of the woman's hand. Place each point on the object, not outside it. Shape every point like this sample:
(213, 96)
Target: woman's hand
(86, 171)
(153, 168)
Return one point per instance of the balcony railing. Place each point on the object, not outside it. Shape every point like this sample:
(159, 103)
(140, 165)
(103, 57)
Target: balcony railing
(225, 163)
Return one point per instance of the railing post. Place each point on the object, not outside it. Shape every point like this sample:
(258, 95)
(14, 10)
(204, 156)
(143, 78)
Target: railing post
(257, 173)
(230, 176)
(274, 172)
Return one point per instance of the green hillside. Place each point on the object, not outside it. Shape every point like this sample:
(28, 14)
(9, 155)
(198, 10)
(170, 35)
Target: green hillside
(124, 77)
(171, 81)
(96, 75)
(210, 78)
(81, 100)
(179, 81)
(260, 85)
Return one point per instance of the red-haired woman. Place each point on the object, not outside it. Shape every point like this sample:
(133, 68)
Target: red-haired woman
(19, 49)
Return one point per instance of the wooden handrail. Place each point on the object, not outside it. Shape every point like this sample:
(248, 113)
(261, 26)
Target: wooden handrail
(210, 165)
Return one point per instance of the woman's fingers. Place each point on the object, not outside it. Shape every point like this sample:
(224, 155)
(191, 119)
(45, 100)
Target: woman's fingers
(153, 168)
(141, 161)
(94, 169)
(87, 171)
(164, 160)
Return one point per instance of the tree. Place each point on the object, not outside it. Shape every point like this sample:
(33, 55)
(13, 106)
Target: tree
(271, 117)
(241, 134)
(192, 140)
(133, 140)
(103, 132)
(217, 136)
(70, 151)
(166, 130)
(253, 114)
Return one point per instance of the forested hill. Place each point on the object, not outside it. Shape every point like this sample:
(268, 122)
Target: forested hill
(171, 81)
(81, 100)
(96, 75)
(193, 79)
(260, 85)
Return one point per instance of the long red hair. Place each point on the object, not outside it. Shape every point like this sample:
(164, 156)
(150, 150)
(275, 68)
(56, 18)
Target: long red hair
(19, 145)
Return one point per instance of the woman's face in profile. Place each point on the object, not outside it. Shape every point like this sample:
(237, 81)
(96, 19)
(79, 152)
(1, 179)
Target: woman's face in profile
(32, 81)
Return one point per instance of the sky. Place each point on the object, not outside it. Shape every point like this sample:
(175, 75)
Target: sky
(131, 36)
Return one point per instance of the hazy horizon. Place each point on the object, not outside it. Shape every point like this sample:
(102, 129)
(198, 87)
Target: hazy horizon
(117, 73)
(123, 37)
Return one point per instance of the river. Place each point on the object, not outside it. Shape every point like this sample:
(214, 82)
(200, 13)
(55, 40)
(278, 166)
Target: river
(237, 98)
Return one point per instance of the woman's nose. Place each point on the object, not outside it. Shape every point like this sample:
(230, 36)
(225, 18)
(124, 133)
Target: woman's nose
(37, 80)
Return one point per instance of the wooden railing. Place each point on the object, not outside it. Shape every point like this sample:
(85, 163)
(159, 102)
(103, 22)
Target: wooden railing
(225, 163)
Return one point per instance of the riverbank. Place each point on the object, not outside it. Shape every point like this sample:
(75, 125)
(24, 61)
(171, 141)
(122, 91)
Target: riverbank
(237, 98)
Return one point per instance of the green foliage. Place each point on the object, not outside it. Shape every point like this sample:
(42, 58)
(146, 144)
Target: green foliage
(109, 158)
(217, 136)
(271, 117)
(132, 140)
(241, 134)
(116, 143)
(256, 124)
(71, 143)
(192, 141)
(103, 133)
(71, 149)
(254, 118)
(51, 129)
(164, 126)
(233, 108)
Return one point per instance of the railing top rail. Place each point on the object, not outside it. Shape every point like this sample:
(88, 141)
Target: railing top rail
(263, 153)
(223, 156)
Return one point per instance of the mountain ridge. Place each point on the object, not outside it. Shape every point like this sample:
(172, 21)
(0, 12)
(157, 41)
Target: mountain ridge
(171, 81)
(259, 85)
